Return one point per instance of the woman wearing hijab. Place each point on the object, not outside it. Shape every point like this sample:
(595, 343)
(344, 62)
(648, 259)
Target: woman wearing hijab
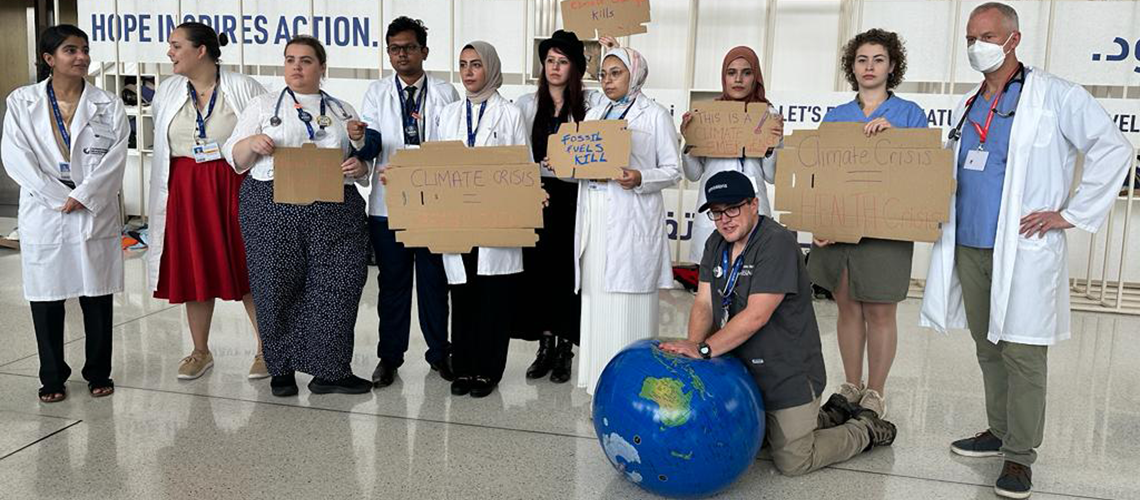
(621, 251)
(740, 81)
(553, 317)
(869, 278)
(484, 282)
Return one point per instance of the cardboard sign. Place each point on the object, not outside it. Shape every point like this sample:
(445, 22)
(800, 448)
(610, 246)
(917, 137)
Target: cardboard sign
(596, 18)
(451, 198)
(595, 149)
(841, 185)
(307, 174)
(731, 129)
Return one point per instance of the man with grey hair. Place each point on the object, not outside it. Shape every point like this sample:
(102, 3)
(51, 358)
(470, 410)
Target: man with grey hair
(1000, 266)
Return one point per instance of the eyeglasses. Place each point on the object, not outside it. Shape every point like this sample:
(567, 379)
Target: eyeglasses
(406, 49)
(731, 212)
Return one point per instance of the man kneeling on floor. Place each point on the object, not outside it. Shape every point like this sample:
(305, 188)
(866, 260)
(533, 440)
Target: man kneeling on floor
(754, 302)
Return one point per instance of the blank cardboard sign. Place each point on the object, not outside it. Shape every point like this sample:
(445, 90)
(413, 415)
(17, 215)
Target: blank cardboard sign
(840, 185)
(595, 149)
(307, 174)
(596, 18)
(451, 198)
(731, 129)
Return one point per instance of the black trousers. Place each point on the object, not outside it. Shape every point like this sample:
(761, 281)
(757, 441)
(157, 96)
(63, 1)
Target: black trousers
(480, 322)
(48, 319)
(396, 264)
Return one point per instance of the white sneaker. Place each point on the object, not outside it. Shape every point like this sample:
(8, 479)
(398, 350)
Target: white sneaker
(874, 401)
(853, 393)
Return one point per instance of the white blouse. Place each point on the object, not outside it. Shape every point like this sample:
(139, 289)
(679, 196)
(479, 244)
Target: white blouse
(291, 131)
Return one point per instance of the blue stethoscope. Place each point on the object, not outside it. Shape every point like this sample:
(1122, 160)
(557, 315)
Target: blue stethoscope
(306, 117)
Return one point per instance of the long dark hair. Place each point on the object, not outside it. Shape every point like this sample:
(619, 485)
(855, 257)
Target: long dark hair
(199, 34)
(573, 101)
(50, 40)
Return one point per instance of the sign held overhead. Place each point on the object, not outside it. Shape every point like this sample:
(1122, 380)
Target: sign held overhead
(596, 18)
(840, 185)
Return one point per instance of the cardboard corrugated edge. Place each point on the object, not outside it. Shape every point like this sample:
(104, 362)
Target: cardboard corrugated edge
(629, 17)
(794, 181)
(746, 144)
(616, 137)
(450, 235)
(308, 174)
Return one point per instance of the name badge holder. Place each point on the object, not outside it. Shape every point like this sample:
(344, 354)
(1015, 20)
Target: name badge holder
(204, 150)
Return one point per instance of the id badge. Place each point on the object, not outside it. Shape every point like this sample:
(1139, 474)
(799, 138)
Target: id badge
(65, 171)
(207, 152)
(976, 160)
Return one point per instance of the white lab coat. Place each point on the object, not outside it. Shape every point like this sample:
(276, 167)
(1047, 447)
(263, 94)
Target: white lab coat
(528, 104)
(637, 248)
(80, 253)
(381, 111)
(237, 90)
(502, 125)
(761, 171)
(1029, 301)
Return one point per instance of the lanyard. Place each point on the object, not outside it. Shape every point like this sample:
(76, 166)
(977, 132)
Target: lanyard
(305, 116)
(956, 133)
(410, 120)
(209, 110)
(733, 277)
(471, 132)
(58, 117)
(626, 112)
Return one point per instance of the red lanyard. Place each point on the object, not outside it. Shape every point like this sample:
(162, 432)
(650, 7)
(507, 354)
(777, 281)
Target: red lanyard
(985, 132)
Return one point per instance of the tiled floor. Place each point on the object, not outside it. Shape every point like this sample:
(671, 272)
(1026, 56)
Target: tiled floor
(223, 436)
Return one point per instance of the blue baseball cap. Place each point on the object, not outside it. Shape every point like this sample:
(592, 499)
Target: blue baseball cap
(728, 187)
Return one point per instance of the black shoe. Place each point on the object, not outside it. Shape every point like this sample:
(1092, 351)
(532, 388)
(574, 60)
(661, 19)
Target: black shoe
(348, 385)
(1015, 481)
(461, 385)
(283, 386)
(983, 444)
(443, 367)
(835, 412)
(882, 432)
(383, 376)
(482, 387)
(563, 361)
(544, 359)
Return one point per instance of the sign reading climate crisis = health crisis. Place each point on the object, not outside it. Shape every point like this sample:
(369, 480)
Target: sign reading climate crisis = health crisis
(840, 185)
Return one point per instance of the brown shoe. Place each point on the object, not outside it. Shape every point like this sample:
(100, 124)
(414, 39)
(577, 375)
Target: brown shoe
(258, 370)
(195, 365)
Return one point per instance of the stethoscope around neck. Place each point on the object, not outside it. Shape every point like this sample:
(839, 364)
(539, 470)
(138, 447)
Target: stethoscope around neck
(956, 132)
(325, 97)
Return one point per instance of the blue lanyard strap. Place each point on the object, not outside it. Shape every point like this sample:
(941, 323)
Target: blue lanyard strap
(304, 116)
(733, 277)
(626, 112)
(209, 110)
(58, 117)
(472, 131)
(410, 120)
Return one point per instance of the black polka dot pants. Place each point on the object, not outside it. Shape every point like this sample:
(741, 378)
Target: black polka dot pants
(307, 269)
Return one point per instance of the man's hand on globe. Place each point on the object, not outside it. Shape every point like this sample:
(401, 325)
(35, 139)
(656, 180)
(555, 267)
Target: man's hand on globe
(684, 348)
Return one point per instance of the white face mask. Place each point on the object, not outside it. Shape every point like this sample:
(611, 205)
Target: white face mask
(987, 57)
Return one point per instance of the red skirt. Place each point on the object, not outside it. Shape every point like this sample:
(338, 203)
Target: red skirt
(203, 257)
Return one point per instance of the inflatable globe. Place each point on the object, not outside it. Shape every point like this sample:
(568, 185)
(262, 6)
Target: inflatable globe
(675, 426)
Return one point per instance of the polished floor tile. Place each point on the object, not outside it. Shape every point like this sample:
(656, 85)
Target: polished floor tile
(224, 436)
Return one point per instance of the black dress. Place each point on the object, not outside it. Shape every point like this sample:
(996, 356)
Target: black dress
(549, 303)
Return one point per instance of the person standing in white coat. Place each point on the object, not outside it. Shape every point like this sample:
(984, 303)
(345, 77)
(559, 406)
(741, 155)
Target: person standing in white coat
(403, 111)
(196, 250)
(1000, 266)
(65, 144)
(484, 282)
(622, 253)
(554, 318)
(740, 80)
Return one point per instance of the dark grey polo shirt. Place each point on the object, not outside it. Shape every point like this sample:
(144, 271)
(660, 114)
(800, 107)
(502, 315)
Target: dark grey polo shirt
(784, 357)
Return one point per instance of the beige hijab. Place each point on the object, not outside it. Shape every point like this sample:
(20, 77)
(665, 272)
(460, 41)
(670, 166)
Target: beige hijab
(492, 69)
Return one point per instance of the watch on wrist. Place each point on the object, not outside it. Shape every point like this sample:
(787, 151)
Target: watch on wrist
(705, 350)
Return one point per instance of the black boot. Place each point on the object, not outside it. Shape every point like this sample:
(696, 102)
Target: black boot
(543, 360)
(563, 359)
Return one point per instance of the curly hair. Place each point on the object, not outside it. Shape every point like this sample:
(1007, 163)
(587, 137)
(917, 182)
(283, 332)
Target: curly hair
(887, 39)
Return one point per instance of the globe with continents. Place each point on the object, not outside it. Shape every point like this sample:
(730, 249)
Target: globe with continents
(675, 426)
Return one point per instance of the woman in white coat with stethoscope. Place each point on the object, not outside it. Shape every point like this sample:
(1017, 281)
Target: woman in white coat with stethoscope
(741, 81)
(484, 282)
(65, 144)
(196, 250)
(307, 263)
(620, 242)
